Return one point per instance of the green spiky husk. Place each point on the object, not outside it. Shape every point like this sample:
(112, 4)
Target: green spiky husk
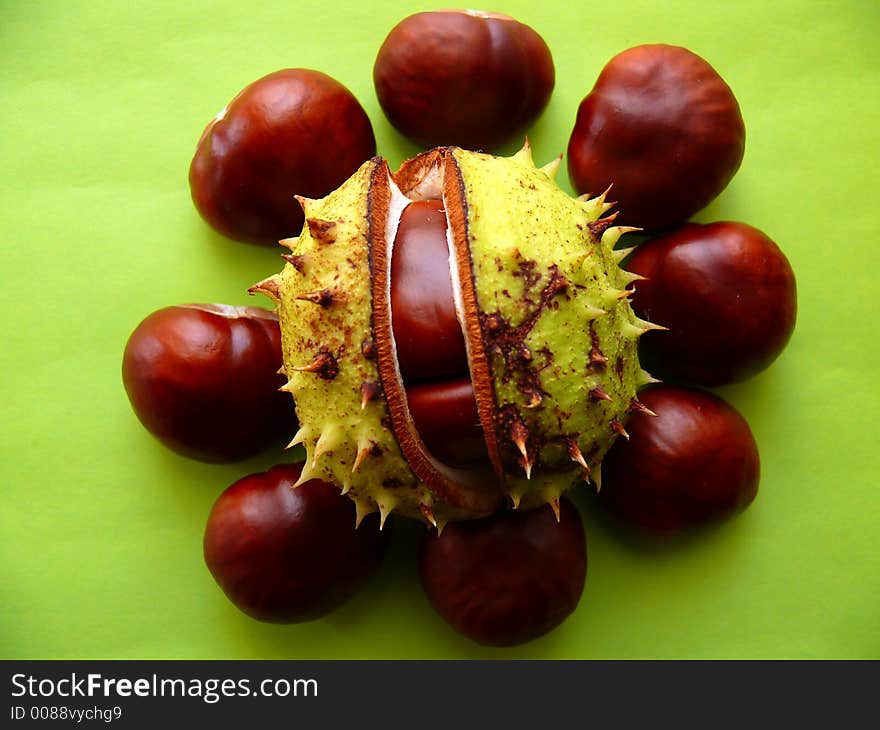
(551, 319)
(336, 424)
(556, 323)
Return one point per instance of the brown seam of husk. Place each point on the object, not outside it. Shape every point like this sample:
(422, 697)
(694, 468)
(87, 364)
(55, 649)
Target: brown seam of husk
(478, 362)
(464, 491)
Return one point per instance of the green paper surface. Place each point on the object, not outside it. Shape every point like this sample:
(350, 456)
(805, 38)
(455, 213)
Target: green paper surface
(101, 527)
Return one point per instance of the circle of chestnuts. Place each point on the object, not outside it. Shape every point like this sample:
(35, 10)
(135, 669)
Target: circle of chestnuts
(662, 130)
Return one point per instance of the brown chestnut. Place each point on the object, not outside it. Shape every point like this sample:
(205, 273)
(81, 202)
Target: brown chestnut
(203, 379)
(295, 131)
(693, 463)
(427, 333)
(288, 555)
(445, 415)
(506, 579)
(463, 77)
(727, 294)
(664, 128)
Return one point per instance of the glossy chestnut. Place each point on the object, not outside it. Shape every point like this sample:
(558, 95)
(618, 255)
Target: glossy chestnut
(427, 333)
(726, 292)
(664, 128)
(295, 131)
(203, 379)
(695, 463)
(507, 579)
(445, 415)
(286, 555)
(463, 77)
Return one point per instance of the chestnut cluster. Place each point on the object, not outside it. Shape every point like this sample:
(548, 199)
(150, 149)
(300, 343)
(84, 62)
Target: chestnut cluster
(661, 128)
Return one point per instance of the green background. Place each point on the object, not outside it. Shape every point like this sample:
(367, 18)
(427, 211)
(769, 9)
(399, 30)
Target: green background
(101, 527)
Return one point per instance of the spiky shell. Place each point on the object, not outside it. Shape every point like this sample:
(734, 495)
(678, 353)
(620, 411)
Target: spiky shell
(558, 331)
(550, 335)
(325, 306)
